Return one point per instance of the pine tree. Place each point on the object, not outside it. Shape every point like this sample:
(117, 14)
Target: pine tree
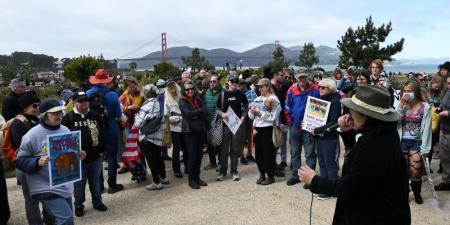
(196, 62)
(307, 57)
(278, 60)
(359, 47)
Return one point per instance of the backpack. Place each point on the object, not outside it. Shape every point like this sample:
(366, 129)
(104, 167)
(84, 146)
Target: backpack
(8, 150)
(97, 103)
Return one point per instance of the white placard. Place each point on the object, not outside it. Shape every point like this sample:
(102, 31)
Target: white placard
(316, 113)
(233, 122)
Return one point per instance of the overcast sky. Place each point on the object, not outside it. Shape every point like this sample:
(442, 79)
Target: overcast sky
(116, 28)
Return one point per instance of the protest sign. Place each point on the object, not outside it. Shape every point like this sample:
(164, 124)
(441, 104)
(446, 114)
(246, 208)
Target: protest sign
(64, 158)
(233, 122)
(251, 95)
(316, 113)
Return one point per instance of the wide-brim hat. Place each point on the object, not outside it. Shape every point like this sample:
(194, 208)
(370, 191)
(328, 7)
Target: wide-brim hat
(100, 77)
(372, 101)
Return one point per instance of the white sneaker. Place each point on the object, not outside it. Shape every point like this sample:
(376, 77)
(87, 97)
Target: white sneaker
(154, 186)
(323, 197)
(164, 181)
(236, 177)
(220, 177)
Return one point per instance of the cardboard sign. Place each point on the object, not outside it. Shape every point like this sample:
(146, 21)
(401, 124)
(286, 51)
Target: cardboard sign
(316, 113)
(64, 158)
(233, 122)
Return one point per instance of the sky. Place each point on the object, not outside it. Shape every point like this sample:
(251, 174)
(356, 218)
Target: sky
(116, 28)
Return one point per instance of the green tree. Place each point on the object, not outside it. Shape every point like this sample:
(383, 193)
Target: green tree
(307, 57)
(9, 72)
(79, 69)
(359, 47)
(196, 62)
(166, 69)
(25, 71)
(132, 65)
(278, 61)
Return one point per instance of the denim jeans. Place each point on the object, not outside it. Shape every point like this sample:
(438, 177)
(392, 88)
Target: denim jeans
(326, 153)
(90, 172)
(298, 138)
(111, 146)
(178, 146)
(32, 210)
(60, 209)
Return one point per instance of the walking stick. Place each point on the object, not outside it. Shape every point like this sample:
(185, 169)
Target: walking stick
(430, 181)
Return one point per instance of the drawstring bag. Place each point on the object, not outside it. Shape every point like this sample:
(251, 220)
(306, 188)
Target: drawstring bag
(131, 156)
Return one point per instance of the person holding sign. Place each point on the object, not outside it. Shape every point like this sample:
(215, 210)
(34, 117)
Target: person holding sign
(327, 139)
(264, 112)
(32, 159)
(236, 101)
(370, 190)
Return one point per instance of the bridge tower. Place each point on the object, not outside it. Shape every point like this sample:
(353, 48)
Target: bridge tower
(164, 46)
(277, 44)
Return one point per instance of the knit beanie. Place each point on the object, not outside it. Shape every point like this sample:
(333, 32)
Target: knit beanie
(28, 98)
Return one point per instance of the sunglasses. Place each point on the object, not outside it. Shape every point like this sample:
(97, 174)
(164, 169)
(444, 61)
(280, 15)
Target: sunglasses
(35, 105)
(421, 79)
(323, 87)
(213, 81)
(189, 89)
(82, 100)
(234, 81)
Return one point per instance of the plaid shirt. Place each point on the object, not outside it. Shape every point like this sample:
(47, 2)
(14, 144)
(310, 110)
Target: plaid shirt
(149, 110)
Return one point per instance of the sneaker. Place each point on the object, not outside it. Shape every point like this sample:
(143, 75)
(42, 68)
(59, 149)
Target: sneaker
(178, 175)
(202, 183)
(122, 170)
(260, 179)
(101, 207)
(220, 177)
(154, 186)
(323, 197)
(165, 181)
(244, 161)
(250, 158)
(218, 168)
(209, 167)
(236, 177)
(115, 188)
(194, 185)
(79, 212)
(292, 181)
(442, 187)
(268, 181)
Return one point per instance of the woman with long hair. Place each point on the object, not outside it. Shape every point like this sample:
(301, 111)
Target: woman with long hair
(172, 110)
(369, 191)
(264, 112)
(435, 93)
(415, 132)
(194, 131)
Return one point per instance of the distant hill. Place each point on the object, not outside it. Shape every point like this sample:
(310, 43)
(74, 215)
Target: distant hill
(258, 56)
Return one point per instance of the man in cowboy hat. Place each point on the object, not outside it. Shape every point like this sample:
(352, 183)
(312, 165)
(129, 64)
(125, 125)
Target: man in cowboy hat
(102, 83)
(373, 188)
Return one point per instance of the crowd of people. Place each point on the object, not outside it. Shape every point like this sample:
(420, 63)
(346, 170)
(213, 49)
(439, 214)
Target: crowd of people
(385, 144)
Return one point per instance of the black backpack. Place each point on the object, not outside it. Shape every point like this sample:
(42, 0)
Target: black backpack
(97, 103)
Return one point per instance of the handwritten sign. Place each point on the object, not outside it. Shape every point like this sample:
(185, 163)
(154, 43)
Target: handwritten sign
(64, 158)
(251, 95)
(316, 113)
(233, 122)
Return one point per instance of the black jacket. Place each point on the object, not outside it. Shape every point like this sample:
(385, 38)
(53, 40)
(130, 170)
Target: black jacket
(194, 116)
(373, 188)
(91, 128)
(19, 129)
(333, 116)
(4, 206)
(10, 107)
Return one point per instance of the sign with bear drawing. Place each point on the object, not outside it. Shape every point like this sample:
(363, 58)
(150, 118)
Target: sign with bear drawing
(64, 158)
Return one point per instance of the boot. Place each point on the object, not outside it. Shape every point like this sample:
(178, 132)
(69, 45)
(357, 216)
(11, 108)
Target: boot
(416, 186)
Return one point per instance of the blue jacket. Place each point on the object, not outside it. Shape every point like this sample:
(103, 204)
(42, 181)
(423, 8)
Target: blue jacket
(296, 103)
(112, 107)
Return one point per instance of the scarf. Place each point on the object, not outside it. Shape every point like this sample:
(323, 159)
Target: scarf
(192, 101)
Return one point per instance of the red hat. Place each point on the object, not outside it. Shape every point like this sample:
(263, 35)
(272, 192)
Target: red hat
(101, 77)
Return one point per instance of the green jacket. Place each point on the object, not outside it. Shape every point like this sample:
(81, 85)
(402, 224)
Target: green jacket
(211, 104)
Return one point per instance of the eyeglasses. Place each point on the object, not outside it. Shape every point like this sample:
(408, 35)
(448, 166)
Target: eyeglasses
(189, 89)
(213, 81)
(323, 87)
(35, 105)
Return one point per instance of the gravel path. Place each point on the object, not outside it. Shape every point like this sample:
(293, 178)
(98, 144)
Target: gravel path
(227, 202)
